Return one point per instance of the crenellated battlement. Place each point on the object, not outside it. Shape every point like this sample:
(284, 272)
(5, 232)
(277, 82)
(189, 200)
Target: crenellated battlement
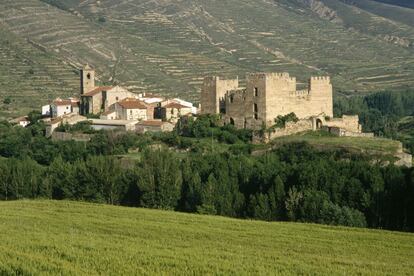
(270, 75)
(220, 79)
(321, 79)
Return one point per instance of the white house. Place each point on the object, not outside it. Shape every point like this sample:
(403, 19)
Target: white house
(59, 107)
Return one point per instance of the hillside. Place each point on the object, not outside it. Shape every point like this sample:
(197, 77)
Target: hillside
(169, 46)
(78, 238)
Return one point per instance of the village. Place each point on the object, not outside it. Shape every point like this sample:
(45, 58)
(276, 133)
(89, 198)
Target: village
(112, 108)
(265, 97)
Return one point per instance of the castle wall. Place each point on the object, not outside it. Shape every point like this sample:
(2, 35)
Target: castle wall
(321, 91)
(347, 122)
(267, 96)
(280, 97)
(214, 89)
(239, 109)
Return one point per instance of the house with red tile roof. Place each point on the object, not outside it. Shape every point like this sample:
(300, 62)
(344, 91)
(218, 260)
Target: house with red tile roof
(172, 110)
(133, 109)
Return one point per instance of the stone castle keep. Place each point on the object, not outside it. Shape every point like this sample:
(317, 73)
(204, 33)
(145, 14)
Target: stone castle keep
(266, 96)
(269, 95)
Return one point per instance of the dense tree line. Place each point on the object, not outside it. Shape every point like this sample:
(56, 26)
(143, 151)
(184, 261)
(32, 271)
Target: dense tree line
(292, 183)
(381, 113)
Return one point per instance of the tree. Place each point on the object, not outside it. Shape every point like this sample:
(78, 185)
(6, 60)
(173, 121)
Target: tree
(208, 197)
(276, 194)
(160, 180)
(292, 203)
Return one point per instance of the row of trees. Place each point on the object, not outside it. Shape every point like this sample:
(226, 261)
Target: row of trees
(293, 183)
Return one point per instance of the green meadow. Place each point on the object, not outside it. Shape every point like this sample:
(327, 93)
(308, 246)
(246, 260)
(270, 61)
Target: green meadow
(51, 237)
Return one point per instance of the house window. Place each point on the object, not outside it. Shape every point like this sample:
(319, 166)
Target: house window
(256, 92)
(116, 98)
(130, 112)
(172, 111)
(67, 107)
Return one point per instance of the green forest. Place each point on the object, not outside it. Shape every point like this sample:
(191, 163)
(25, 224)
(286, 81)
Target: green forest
(205, 167)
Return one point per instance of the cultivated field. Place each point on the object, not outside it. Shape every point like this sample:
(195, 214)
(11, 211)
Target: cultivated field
(77, 238)
(169, 46)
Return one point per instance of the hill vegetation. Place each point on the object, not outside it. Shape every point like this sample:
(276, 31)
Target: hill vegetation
(169, 46)
(207, 168)
(50, 237)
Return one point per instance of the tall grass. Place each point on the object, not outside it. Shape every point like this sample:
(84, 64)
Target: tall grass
(48, 237)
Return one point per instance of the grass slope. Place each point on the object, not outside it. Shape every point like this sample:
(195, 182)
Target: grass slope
(169, 46)
(77, 238)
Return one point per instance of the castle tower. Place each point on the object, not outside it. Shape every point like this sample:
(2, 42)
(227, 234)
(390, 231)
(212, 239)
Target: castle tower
(321, 92)
(270, 95)
(87, 79)
(213, 93)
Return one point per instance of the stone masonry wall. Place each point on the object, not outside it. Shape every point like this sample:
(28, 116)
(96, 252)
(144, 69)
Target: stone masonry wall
(269, 95)
(214, 89)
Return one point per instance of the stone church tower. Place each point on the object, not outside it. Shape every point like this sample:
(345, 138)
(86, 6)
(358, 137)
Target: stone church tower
(87, 79)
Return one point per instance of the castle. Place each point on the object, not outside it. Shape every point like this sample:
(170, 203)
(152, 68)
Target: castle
(269, 95)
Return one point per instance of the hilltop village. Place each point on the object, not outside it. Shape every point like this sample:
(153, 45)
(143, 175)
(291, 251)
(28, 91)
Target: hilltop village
(266, 97)
(113, 107)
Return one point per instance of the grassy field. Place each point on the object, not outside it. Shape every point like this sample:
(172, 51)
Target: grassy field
(48, 237)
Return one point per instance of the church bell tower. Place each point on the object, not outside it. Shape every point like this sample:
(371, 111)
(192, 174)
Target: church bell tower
(87, 79)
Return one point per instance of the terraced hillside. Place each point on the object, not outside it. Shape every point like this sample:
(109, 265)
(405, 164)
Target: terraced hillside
(168, 46)
(29, 76)
(50, 237)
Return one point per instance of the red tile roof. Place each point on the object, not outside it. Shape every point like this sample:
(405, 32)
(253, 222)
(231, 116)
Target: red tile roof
(131, 103)
(62, 102)
(97, 90)
(175, 105)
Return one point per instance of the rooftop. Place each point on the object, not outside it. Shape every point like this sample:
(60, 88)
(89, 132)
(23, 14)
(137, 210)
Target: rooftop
(175, 105)
(131, 103)
(97, 90)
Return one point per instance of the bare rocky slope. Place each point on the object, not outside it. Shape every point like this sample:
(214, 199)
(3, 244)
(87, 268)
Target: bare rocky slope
(168, 46)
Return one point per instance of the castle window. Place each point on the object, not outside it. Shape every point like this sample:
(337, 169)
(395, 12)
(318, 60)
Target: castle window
(117, 98)
(232, 121)
(256, 110)
(256, 92)
(231, 98)
(245, 123)
(88, 76)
